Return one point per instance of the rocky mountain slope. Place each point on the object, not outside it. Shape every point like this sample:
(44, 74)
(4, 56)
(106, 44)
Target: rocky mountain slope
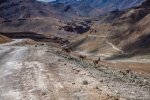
(107, 32)
(125, 32)
(19, 9)
(136, 39)
(35, 16)
(99, 7)
(56, 54)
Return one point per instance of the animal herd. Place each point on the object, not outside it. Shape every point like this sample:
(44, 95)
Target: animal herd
(69, 49)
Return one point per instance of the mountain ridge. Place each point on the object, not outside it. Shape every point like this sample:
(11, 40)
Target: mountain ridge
(19, 9)
(99, 7)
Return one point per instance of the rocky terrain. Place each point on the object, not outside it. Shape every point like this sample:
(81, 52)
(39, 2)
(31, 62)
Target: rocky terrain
(126, 31)
(24, 9)
(75, 50)
(35, 72)
(99, 7)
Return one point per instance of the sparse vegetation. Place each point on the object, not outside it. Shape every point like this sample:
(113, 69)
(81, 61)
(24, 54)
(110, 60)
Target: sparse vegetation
(77, 50)
(125, 75)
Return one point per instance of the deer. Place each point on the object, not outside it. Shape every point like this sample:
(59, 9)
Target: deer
(82, 57)
(95, 61)
(67, 49)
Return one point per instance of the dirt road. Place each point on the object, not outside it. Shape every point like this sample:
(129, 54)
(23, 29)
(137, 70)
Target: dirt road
(37, 73)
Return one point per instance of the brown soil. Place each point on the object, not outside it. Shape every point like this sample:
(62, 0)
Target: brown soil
(4, 39)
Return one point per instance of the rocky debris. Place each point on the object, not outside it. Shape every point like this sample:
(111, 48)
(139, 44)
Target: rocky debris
(43, 93)
(72, 79)
(73, 83)
(60, 40)
(101, 81)
(35, 45)
(98, 88)
(85, 82)
(119, 75)
(76, 27)
(76, 71)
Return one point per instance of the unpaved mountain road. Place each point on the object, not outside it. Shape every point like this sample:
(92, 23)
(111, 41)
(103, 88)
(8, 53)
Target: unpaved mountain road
(37, 73)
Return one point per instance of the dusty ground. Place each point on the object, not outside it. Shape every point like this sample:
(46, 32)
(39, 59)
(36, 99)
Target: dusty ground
(94, 46)
(39, 73)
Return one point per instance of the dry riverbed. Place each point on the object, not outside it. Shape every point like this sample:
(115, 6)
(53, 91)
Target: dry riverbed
(41, 73)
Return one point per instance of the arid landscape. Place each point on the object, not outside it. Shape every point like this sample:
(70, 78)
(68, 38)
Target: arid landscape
(75, 50)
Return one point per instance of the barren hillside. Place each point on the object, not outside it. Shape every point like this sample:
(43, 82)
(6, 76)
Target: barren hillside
(4, 39)
(75, 50)
(127, 32)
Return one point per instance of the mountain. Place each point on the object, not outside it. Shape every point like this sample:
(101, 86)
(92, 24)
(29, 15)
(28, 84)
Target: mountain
(125, 33)
(116, 23)
(136, 39)
(99, 7)
(28, 16)
(19, 9)
(61, 8)
(36, 16)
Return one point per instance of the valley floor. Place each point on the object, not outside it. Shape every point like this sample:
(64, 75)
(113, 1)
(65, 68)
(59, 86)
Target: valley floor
(37, 72)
